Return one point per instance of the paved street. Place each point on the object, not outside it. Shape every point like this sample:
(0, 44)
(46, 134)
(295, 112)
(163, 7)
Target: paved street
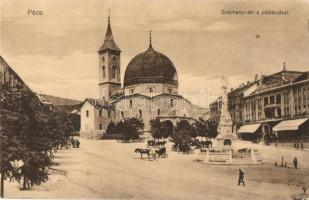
(107, 169)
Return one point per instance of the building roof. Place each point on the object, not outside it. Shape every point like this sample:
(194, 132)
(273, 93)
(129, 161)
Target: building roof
(109, 42)
(150, 66)
(99, 104)
(148, 97)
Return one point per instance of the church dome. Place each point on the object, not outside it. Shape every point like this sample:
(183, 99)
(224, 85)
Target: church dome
(150, 67)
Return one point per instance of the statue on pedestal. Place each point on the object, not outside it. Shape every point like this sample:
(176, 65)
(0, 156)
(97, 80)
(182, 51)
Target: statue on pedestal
(225, 136)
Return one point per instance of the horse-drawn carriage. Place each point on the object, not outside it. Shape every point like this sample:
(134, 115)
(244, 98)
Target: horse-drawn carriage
(152, 153)
(153, 143)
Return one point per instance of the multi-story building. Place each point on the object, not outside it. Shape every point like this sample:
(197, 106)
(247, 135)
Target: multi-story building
(8, 75)
(273, 107)
(10, 78)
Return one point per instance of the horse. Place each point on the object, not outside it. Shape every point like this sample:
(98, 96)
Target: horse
(143, 151)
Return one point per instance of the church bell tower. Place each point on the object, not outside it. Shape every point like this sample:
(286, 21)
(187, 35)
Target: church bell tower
(109, 65)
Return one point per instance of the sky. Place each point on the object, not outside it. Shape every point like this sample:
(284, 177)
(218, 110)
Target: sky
(56, 53)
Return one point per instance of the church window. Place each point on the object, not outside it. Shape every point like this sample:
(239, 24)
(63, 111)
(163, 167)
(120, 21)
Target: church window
(100, 113)
(132, 91)
(150, 90)
(131, 103)
(172, 102)
(100, 127)
(170, 90)
(159, 112)
(103, 59)
(114, 71)
(87, 113)
(109, 113)
(122, 114)
(140, 113)
(103, 71)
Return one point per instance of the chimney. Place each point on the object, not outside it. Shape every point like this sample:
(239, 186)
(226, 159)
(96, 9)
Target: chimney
(261, 80)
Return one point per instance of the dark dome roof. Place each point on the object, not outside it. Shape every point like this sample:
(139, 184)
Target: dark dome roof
(150, 67)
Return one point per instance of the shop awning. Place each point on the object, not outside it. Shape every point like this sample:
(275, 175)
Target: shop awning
(251, 128)
(289, 125)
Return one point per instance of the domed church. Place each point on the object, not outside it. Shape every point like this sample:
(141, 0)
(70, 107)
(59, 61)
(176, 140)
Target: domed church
(149, 91)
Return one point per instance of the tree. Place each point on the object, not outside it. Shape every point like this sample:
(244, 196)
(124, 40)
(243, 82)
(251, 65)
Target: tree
(167, 129)
(111, 128)
(200, 128)
(212, 131)
(182, 136)
(156, 128)
(130, 128)
(28, 131)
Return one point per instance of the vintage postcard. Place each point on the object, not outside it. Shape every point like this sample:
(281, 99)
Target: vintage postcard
(154, 99)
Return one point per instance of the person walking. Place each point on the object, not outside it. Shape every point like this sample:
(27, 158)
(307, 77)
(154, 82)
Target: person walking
(295, 162)
(241, 177)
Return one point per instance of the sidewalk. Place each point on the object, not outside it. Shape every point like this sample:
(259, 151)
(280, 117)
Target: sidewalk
(273, 145)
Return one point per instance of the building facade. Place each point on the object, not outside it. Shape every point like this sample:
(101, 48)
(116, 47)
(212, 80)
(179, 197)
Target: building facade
(261, 108)
(7, 75)
(149, 91)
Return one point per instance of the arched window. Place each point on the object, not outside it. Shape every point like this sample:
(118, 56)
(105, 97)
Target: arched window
(131, 103)
(150, 90)
(103, 71)
(172, 102)
(114, 71)
(87, 113)
(114, 59)
(159, 112)
(140, 113)
(122, 114)
(100, 113)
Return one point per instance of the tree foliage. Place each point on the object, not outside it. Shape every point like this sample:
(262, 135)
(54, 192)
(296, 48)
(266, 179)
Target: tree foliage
(160, 129)
(111, 128)
(29, 130)
(130, 128)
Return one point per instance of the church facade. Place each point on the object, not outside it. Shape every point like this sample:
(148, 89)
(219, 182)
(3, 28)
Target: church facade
(149, 91)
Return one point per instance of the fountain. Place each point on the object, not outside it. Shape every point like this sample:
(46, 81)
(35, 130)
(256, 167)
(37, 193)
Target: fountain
(225, 151)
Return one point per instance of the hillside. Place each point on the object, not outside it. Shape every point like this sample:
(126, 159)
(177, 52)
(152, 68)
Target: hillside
(63, 104)
(59, 101)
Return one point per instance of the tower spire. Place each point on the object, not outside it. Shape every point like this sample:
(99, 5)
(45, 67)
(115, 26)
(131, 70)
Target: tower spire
(109, 16)
(150, 44)
(109, 42)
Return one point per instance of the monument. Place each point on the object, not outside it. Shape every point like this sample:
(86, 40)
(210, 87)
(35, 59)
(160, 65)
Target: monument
(225, 150)
(225, 137)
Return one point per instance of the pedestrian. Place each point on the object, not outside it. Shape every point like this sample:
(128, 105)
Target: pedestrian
(295, 162)
(241, 177)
